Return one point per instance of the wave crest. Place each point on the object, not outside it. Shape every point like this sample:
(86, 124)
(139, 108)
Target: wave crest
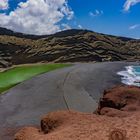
(130, 76)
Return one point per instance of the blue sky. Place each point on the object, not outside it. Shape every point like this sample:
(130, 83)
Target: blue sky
(116, 17)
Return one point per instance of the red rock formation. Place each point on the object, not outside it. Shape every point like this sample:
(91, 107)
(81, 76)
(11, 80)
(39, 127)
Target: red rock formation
(120, 101)
(118, 119)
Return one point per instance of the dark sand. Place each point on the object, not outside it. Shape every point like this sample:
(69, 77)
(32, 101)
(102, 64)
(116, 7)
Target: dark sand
(78, 88)
(117, 118)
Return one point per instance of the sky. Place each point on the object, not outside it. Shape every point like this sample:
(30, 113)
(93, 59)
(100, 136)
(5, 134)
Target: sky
(115, 17)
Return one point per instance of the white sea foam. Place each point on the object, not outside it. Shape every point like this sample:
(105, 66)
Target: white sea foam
(130, 76)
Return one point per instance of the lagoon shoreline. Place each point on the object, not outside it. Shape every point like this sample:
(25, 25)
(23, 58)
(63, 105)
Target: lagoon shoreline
(82, 83)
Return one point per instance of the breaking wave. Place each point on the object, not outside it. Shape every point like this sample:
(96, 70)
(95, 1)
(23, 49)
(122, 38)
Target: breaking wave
(131, 75)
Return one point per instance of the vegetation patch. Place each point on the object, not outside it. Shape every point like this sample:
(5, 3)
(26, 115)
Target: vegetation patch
(18, 74)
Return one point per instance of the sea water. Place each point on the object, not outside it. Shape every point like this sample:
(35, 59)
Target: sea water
(131, 75)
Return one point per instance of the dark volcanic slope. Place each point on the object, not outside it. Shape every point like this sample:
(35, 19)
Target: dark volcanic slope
(67, 46)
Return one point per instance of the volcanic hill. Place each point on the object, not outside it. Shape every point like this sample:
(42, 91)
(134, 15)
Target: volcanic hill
(66, 46)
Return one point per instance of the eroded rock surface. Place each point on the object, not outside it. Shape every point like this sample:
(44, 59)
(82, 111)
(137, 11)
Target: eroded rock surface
(117, 118)
(120, 101)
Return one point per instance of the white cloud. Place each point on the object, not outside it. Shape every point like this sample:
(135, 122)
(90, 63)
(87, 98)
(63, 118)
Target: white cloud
(129, 3)
(66, 26)
(134, 26)
(4, 4)
(37, 16)
(80, 26)
(96, 13)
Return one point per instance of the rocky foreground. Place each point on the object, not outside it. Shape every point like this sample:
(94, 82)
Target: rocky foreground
(117, 118)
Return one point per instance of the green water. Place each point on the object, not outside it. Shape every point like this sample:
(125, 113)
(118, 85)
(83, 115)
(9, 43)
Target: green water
(19, 74)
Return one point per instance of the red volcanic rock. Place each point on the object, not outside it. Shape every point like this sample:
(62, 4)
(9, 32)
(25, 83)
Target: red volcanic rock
(120, 101)
(118, 119)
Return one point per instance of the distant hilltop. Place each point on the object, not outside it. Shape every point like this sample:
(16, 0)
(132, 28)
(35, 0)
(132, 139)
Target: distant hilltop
(66, 46)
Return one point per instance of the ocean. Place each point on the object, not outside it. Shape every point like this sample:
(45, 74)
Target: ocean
(131, 75)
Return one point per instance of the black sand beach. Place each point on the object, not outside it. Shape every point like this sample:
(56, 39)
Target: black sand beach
(76, 88)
